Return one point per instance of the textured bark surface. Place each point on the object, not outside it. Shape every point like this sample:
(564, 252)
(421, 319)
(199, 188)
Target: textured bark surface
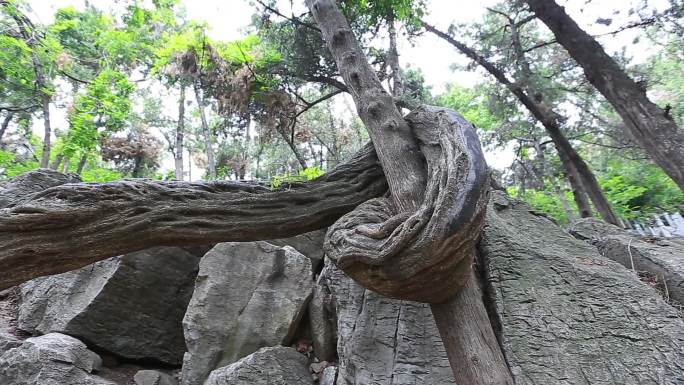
(570, 316)
(480, 352)
(396, 146)
(66, 227)
(425, 256)
(646, 123)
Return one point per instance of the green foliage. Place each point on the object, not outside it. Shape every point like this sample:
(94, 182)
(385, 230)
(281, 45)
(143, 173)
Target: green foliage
(102, 110)
(305, 175)
(638, 190)
(545, 201)
(374, 12)
(100, 174)
(10, 167)
(471, 103)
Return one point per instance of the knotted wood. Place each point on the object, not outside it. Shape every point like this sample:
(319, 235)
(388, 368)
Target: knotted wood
(67, 227)
(425, 255)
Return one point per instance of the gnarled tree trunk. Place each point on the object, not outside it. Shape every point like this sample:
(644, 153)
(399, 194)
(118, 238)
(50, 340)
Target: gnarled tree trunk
(645, 122)
(403, 165)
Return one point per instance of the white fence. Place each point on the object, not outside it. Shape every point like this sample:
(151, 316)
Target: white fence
(664, 226)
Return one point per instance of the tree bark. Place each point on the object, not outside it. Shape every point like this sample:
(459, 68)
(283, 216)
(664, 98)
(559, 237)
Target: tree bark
(645, 122)
(5, 124)
(478, 354)
(293, 147)
(396, 147)
(393, 60)
(403, 165)
(209, 148)
(70, 226)
(578, 172)
(180, 131)
(57, 162)
(81, 164)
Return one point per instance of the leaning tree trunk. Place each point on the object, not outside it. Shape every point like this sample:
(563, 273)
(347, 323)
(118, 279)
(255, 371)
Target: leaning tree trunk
(180, 131)
(645, 122)
(209, 148)
(579, 175)
(5, 124)
(586, 177)
(474, 353)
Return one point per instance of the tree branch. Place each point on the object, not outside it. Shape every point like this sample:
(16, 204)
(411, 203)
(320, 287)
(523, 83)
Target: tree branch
(70, 226)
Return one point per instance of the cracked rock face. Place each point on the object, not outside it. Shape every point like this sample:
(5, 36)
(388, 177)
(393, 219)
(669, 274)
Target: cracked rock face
(267, 366)
(663, 259)
(384, 341)
(570, 316)
(131, 305)
(52, 359)
(247, 296)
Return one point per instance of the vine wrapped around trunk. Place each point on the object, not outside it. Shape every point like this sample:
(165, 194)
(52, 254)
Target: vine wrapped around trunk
(425, 255)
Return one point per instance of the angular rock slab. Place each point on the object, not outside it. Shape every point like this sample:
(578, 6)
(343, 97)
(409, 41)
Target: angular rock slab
(153, 377)
(310, 244)
(8, 341)
(383, 341)
(52, 359)
(131, 305)
(569, 316)
(268, 366)
(663, 258)
(247, 296)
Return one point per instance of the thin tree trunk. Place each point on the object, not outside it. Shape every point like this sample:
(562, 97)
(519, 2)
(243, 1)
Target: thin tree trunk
(6, 123)
(65, 165)
(579, 174)
(546, 170)
(209, 148)
(57, 161)
(81, 164)
(180, 131)
(402, 163)
(645, 122)
(293, 147)
(472, 351)
(47, 132)
(189, 166)
(393, 60)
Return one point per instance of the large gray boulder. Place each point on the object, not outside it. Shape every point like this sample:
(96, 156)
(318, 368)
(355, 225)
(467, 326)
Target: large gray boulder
(568, 315)
(383, 341)
(153, 377)
(131, 305)
(52, 359)
(8, 341)
(267, 366)
(310, 244)
(663, 259)
(247, 296)
(32, 182)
